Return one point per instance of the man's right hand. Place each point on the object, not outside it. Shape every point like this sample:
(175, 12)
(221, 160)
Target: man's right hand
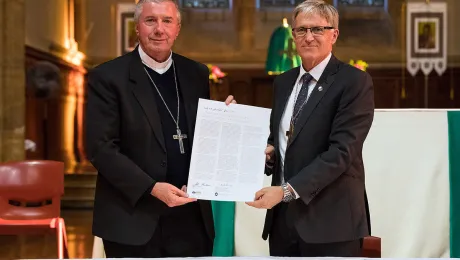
(170, 195)
(269, 152)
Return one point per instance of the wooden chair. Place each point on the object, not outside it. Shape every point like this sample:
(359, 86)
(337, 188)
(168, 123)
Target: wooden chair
(30, 200)
(372, 247)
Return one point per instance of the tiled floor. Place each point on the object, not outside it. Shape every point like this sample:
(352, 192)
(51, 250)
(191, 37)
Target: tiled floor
(80, 240)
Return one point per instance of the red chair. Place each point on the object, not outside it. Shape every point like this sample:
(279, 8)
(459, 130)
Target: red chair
(30, 200)
(372, 247)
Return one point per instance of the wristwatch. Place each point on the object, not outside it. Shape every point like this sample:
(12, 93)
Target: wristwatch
(287, 197)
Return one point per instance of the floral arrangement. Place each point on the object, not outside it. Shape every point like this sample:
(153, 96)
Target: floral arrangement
(360, 64)
(215, 74)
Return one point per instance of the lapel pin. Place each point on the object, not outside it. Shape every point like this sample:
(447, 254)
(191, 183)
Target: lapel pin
(320, 88)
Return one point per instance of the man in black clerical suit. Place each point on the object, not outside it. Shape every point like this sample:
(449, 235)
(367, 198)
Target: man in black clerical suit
(321, 115)
(140, 117)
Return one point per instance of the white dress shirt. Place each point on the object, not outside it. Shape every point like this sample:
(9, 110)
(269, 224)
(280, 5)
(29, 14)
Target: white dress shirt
(159, 67)
(316, 73)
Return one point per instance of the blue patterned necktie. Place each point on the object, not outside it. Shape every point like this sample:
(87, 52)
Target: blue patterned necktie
(300, 101)
(302, 96)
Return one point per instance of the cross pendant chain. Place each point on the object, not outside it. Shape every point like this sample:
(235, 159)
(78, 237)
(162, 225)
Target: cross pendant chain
(179, 137)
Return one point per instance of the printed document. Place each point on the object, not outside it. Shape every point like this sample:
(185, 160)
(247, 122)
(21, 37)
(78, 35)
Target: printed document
(228, 154)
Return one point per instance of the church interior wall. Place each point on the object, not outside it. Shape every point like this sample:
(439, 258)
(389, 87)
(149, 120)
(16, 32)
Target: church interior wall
(46, 24)
(218, 36)
(53, 119)
(237, 41)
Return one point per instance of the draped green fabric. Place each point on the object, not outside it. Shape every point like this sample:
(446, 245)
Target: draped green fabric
(282, 54)
(224, 225)
(454, 180)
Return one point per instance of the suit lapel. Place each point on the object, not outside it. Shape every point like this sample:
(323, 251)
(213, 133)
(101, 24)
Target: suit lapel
(286, 90)
(143, 91)
(321, 87)
(187, 87)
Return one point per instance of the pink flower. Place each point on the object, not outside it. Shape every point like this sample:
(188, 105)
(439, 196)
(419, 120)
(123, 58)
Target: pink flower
(216, 71)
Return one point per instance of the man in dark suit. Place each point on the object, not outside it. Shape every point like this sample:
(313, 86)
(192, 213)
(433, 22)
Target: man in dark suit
(140, 116)
(321, 115)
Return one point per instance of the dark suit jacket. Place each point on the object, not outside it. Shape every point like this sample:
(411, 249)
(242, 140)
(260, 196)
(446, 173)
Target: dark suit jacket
(124, 142)
(324, 159)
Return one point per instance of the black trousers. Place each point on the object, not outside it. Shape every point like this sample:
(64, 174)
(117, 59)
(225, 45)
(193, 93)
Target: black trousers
(180, 233)
(285, 242)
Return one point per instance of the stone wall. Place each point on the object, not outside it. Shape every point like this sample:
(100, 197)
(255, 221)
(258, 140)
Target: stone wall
(12, 97)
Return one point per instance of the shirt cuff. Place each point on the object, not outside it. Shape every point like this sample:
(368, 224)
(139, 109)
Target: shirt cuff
(295, 192)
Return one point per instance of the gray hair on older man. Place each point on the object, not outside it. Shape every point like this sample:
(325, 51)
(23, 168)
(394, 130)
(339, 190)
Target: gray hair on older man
(320, 8)
(140, 4)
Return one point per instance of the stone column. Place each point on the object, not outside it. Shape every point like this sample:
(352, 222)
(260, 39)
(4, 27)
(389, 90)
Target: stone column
(80, 24)
(244, 15)
(12, 80)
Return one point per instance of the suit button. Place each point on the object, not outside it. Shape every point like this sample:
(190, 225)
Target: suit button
(163, 163)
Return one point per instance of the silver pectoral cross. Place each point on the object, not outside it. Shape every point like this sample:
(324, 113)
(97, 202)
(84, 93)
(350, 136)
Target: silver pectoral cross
(179, 137)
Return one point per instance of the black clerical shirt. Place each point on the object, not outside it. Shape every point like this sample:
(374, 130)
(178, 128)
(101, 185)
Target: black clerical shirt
(177, 164)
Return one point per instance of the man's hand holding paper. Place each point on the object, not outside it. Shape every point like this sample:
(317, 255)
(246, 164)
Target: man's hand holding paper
(228, 156)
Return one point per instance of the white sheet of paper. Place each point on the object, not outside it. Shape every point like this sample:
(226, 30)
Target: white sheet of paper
(228, 154)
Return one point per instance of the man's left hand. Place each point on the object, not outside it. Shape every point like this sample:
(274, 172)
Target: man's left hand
(267, 198)
(230, 100)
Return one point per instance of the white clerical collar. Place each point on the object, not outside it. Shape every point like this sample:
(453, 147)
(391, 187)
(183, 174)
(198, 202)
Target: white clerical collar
(318, 70)
(159, 67)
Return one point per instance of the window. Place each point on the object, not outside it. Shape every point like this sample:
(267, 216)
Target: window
(362, 3)
(206, 4)
(277, 3)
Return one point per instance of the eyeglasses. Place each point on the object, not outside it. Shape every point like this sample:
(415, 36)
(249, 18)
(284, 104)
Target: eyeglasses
(316, 31)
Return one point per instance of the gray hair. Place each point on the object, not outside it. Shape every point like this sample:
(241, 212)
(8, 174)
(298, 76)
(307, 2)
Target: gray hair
(319, 7)
(140, 4)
